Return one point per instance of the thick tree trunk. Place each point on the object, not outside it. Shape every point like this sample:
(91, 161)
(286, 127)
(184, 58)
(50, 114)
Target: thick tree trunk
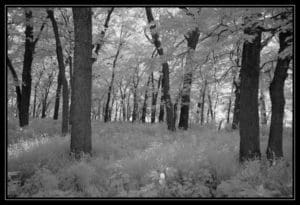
(274, 149)
(144, 109)
(82, 82)
(192, 41)
(26, 74)
(62, 77)
(154, 97)
(165, 71)
(249, 119)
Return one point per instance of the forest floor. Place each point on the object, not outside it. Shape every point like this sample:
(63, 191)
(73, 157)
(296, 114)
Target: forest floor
(142, 160)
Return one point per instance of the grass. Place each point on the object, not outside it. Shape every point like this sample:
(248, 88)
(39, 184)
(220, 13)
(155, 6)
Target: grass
(143, 160)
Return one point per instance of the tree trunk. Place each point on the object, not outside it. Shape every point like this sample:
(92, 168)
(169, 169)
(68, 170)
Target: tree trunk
(263, 112)
(236, 110)
(128, 108)
(202, 103)
(106, 116)
(82, 82)
(144, 109)
(154, 97)
(135, 105)
(274, 149)
(192, 41)
(230, 102)
(62, 77)
(162, 104)
(26, 74)
(165, 70)
(57, 97)
(34, 101)
(249, 119)
(17, 85)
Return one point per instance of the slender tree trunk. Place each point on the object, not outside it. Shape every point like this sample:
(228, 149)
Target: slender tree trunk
(144, 109)
(274, 149)
(202, 103)
(154, 97)
(135, 105)
(63, 80)
(165, 70)
(210, 106)
(161, 105)
(236, 110)
(249, 119)
(70, 61)
(106, 116)
(34, 101)
(82, 82)
(57, 97)
(230, 102)
(128, 108)
(192, 41)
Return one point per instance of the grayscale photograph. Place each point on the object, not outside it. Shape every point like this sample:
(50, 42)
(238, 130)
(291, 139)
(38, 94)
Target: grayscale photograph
(149, 102)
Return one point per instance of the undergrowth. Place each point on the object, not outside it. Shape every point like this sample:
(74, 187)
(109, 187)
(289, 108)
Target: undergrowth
(142, 160)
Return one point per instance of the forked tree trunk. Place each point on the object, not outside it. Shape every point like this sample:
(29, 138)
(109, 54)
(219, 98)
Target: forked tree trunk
(274, 149)
(63, 80)
(249, 119)
(165, 70)
(81, 141)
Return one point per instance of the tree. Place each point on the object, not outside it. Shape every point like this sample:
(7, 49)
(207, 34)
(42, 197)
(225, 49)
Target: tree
(30, 44)
(82, 82)
(165, 70)
(62, 78)
(192, 40)
(274, 149)
(249, 119)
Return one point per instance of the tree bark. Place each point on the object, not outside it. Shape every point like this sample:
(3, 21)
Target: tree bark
(63, 80)
(249, 119)
(230, 102)
(154, 97)
(274, 149)
(17, 85)
(107, 107)
(165, 70)
(192, 41)
(162, 102)
(263, 112)
(202, 103)
(135, 105)
(236, 110)
(81, 141)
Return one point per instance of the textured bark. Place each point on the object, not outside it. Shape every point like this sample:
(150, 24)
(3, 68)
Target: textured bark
(192, 40)
(63, 80)
(81, 141)
(57, 96)
(236, 110)
(249, 119)
(274, 149)
(263, 112)
(154, 97)
(17, 86)
(135, 105)
(202, 103)
(165, 71)
(162, 103)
